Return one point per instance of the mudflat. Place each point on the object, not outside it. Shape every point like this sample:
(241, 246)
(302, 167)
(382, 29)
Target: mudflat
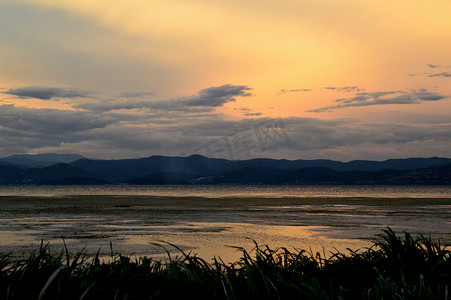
(209, 226)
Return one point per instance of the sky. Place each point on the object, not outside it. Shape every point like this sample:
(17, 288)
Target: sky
(283, 79)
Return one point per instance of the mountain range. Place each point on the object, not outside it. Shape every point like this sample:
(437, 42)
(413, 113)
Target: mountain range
(196, 169)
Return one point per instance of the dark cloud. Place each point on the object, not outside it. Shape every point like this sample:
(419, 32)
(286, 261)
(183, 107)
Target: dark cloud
(346, 89)
(425, 95)
(129, 135)
(50, 121)
(417, 74)
(247, 112)
(437, 68)
(136, 94)
(25, 129)
(309, 137)
(215, 96)
(178, 128)
(206, 100)
(47, 93)
(99, 126)
(384, 98)
(106, 105)
(253, 114)
(443, 74)
(284, 91)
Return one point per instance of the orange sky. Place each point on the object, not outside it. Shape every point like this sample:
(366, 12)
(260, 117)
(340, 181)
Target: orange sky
(373, 64)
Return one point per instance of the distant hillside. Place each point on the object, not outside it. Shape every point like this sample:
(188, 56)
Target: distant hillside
(39, 160)
(5, 163)
(125, 170)
(57, 172)
(307, 176)
(355, 165)
(304, 176)
(197, 169)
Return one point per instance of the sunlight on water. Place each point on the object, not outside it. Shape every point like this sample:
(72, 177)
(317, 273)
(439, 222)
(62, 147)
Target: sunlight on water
(221, 239)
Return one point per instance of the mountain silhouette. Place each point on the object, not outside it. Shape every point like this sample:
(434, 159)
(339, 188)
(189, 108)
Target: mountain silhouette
(197, 169)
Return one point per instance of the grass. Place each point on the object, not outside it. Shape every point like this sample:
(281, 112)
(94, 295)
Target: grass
(395, 267)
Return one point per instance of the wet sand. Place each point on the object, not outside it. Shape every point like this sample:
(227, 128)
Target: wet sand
(208, 226)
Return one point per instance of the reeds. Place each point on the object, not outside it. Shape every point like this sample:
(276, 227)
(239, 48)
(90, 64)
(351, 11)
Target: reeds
(395, 267)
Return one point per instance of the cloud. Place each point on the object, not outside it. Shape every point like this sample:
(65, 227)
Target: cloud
(284, 91)
(311, 137)
(136, 94)
(443, 74)
(138, 135)
(50, 121)
(308, 138)
(253, 114)
(216, 96)
(206, 100)
(433, 66)
(47, 93)
(127, 126)
(384, 98)
(245, 111)
(24, 129)
(346, 89)
(425, 95)
(348, 139)
(190, 124)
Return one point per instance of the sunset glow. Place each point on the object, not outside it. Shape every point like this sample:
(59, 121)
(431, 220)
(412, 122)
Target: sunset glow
(116, 79)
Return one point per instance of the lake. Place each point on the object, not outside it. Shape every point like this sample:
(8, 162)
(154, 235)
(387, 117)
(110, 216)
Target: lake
(210, 220)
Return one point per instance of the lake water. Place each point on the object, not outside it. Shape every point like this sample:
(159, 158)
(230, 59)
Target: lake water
(207, 220)
(229, 191)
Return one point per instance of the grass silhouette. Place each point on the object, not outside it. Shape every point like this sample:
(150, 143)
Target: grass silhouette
(395, 267)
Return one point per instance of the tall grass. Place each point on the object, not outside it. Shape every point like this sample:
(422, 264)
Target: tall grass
(395, 267)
